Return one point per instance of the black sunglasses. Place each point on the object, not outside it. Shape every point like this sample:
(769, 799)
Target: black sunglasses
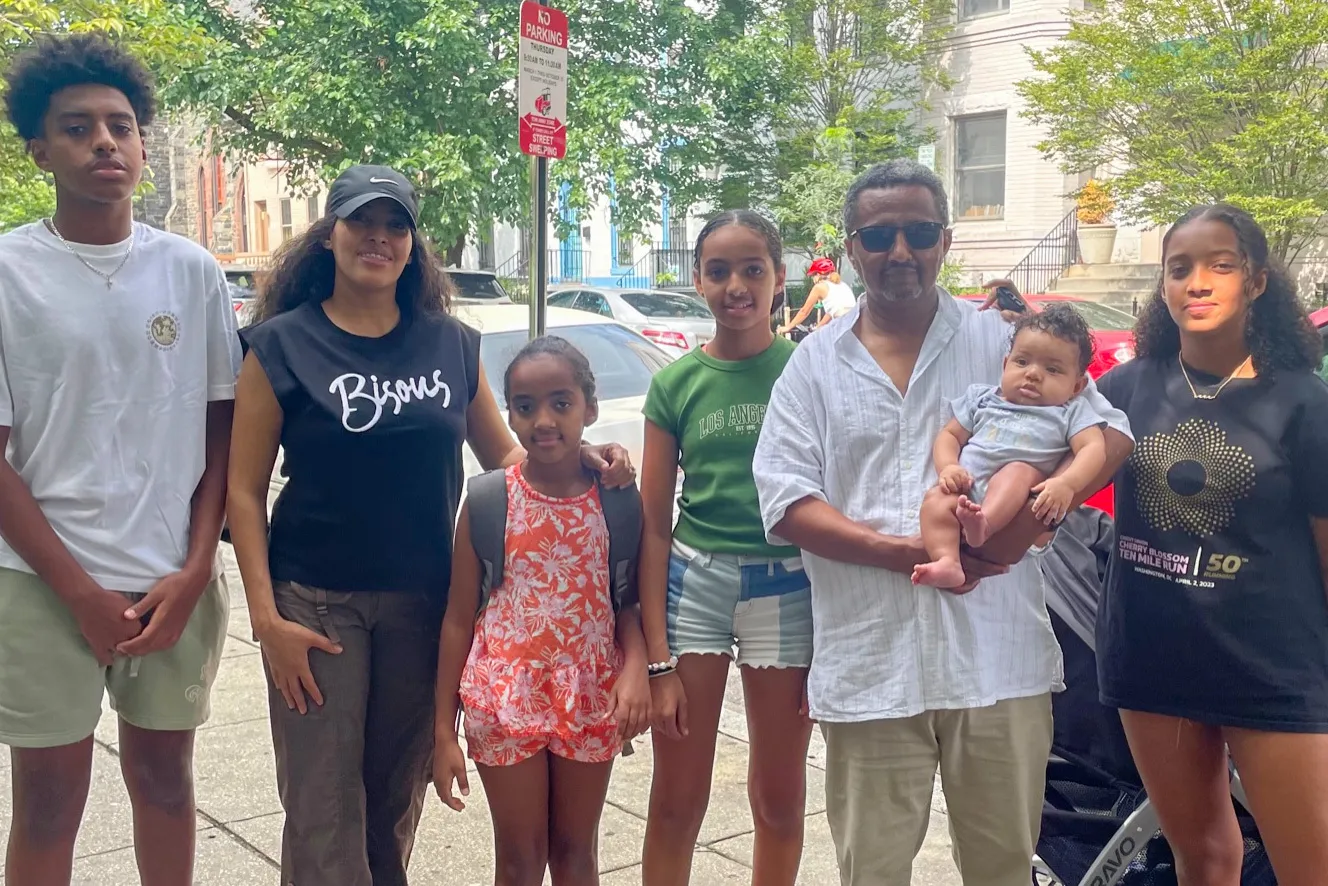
(881, 238)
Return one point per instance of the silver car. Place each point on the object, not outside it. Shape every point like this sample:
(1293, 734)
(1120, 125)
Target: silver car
(676, 321)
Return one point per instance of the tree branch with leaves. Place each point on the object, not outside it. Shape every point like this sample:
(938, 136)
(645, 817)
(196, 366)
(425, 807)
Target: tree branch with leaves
(1195, 101)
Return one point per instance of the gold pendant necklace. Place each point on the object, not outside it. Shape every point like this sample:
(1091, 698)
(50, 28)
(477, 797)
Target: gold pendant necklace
(1213, 396)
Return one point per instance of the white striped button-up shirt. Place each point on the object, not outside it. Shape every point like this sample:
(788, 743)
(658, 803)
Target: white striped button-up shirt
(838, 429)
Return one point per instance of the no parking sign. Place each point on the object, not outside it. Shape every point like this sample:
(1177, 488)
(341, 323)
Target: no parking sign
(542, 85)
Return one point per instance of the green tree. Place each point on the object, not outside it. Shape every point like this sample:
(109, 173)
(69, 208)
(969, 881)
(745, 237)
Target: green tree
(860, 71)
(429, 86)
(863, 65)
(156, 30)
(1194, 101)
(810, 207)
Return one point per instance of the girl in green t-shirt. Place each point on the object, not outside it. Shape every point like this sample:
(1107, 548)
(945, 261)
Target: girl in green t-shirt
(713, 589)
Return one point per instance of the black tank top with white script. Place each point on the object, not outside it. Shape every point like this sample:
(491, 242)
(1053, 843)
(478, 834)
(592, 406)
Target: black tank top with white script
(372, 435)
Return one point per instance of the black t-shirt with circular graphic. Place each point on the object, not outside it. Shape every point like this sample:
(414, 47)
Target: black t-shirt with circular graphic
(1214, 607)
(372, 432)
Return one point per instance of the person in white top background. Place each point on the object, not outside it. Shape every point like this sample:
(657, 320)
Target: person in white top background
(118, 360)
(905, 679)
(835, 297)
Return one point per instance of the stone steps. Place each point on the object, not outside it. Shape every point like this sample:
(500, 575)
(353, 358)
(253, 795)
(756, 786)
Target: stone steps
(1118, 285)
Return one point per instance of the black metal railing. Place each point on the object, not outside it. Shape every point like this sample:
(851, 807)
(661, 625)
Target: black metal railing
(563, 266)
(515, 268)
(1050, 258)
(673, 266)
(660, 268)
(568, 265)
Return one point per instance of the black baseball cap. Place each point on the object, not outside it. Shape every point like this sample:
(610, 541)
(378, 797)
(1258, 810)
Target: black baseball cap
(361, 185)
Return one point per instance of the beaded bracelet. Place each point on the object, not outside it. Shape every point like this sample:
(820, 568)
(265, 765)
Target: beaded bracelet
(660, 668)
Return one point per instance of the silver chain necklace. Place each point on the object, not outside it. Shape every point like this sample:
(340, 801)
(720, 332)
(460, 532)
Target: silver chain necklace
(1194, 392)
(50, 223)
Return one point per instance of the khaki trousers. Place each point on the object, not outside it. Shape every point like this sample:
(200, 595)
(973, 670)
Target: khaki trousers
(993, 762)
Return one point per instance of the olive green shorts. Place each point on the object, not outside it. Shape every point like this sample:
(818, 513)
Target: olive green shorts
(51, 685)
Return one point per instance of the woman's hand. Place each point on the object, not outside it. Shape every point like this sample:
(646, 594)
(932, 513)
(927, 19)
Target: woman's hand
(629, 702)
(286, 646)
(668, 708)
(449, 766)
(611, 462)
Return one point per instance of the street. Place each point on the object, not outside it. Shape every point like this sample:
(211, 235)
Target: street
(239, 814)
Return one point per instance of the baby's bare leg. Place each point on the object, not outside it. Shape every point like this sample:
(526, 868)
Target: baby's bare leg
(1007, 495)
(940, 535)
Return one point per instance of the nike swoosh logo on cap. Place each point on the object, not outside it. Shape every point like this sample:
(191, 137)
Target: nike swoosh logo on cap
(382, 181)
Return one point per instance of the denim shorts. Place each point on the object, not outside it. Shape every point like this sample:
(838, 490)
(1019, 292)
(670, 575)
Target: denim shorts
(721, 602)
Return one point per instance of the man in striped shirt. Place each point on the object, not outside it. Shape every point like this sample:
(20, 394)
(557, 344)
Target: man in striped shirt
(905, 678)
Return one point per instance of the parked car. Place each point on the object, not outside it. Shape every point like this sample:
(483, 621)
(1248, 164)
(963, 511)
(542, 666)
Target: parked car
(676, 321)
(1113, 329)
(478, 287)
(1113, 335)
(622, 360)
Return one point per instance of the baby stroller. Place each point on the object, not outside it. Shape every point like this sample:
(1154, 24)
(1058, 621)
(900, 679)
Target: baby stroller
(1098, 828)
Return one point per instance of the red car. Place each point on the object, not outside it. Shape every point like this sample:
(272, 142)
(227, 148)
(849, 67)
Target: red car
(1113, 335)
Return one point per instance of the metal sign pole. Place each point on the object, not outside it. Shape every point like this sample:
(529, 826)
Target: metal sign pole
(539, 259)
(539, 280)
(542, 129)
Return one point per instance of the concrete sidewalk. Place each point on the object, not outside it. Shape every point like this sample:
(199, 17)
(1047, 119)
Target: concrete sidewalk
(239, 816)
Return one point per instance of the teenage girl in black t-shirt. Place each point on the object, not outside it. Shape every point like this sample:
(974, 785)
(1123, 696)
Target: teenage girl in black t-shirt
(1213, 632)
(357, 372)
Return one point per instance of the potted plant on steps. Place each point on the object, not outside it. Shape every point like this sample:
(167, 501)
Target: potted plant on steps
(1097, 235)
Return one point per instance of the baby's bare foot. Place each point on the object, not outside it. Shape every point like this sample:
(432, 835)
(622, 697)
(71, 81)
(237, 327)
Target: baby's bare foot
(973, 522)
(944, 574)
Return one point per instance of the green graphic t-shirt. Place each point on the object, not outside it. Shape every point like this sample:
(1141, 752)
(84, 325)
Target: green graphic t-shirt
(714, 409)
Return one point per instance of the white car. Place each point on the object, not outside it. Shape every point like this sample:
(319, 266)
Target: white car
(623, 362)
(676, 321)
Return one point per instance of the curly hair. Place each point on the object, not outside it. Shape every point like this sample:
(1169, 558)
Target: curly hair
(754, 222)
(304, 270)
(57, 63)
(1278, 332)
(554, 346)
(1062, 322)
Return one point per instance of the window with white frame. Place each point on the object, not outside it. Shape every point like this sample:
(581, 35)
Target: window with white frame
(980, 166)
(978, 8)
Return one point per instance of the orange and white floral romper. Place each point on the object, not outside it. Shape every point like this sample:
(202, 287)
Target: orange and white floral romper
(544, 659)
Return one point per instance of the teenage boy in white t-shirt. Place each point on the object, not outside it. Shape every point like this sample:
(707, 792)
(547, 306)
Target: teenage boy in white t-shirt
(118, 359)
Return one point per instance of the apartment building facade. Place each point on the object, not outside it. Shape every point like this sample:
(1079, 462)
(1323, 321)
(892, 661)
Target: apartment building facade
(1005, 195)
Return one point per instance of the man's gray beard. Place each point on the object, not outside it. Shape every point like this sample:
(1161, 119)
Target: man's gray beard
(896, 296)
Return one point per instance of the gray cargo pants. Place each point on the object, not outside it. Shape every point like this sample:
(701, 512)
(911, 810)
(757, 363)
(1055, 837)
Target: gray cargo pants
(353, 774)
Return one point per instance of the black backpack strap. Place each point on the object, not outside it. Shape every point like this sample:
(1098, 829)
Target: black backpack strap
(622, 515)
(486, 499)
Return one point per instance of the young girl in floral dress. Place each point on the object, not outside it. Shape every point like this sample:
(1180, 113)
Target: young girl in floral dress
(551, 678)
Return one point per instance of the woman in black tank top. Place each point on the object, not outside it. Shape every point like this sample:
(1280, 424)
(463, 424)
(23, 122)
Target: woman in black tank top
(357, 373)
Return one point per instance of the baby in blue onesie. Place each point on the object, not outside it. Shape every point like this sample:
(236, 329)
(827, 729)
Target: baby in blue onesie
(1004, 442)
